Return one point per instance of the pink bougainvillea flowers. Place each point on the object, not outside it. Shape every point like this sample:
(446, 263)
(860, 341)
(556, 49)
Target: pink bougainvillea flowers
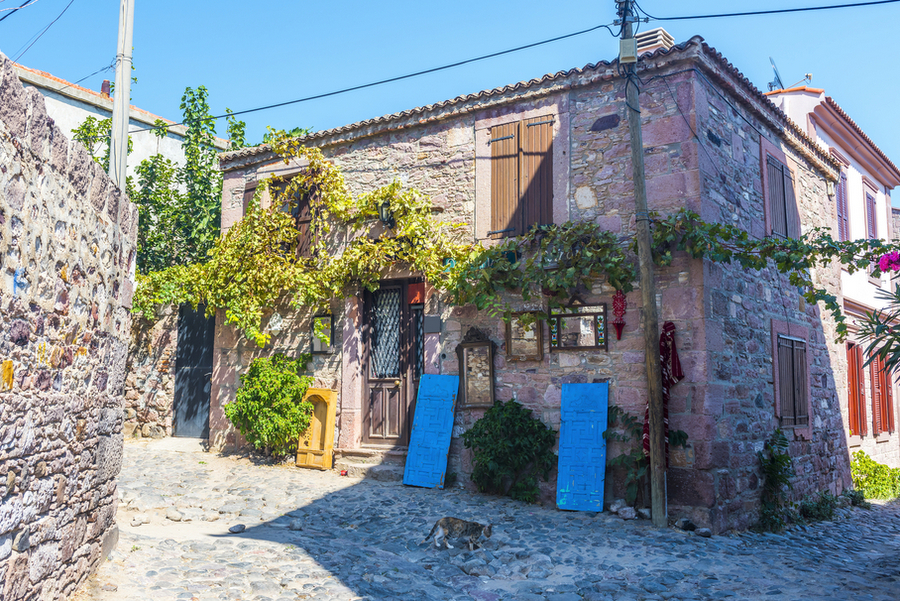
(889, 261)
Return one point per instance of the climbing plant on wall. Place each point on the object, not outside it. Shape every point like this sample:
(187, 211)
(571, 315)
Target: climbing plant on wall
(256, 264)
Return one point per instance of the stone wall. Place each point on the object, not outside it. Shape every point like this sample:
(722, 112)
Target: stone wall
(150, 385)
(68, 243)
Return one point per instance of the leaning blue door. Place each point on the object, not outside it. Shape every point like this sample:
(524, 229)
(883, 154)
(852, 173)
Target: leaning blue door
(429, 443)
(582, 448)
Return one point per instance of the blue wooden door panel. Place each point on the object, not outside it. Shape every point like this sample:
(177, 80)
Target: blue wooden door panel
(429, 443)
(582, 449)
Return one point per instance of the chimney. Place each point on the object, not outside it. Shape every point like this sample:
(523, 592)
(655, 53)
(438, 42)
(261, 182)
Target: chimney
(648, 41)
(104, 88)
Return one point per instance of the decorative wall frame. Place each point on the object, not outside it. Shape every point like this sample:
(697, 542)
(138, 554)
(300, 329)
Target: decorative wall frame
(525, 343)
(582, 327)
(476, 369)
(322, 324)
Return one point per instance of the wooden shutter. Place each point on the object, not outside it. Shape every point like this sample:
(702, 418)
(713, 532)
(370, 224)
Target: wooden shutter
(843, 211)
(776, 197)
(506, 220)
(786, 380)
(856, 393)
(536, 169)
(249, 191)
(871, 221)
(801, 402)
(877, 401)
(887, 386)
(302, 213)
(791, 211)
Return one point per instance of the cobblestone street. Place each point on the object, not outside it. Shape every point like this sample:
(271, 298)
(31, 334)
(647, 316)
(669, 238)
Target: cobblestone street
(314, 535)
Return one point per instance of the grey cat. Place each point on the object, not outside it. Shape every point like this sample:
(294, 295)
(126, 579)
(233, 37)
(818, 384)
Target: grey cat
(446, 528)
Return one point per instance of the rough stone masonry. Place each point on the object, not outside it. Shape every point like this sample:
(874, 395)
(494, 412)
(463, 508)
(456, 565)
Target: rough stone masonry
(67, 242)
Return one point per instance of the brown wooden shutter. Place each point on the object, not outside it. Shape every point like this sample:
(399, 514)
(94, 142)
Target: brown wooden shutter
(786, 380)
(855, 393)
(536, 169)
(801, 402)
(888, 387)
(871, 221)
(791, 210)
(877, 402)
(776, 197)
(249, 191)
(843, 211)
(302, 213)
(506, 219)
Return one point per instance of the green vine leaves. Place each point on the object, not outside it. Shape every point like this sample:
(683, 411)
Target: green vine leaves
(257, 265)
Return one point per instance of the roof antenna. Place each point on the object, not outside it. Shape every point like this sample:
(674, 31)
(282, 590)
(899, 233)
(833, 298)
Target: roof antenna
(777, 84)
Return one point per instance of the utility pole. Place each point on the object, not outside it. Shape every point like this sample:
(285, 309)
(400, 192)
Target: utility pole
(118, 147)
(628, 60)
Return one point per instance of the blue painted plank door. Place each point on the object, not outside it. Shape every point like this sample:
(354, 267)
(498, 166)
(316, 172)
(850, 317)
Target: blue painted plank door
(429, 443)
(582, 448)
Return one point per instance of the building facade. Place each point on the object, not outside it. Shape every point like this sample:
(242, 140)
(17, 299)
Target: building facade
(713, 144)
(863, 210)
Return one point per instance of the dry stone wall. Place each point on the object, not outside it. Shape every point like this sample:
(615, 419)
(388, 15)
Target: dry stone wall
(150, 384)
(67, 242)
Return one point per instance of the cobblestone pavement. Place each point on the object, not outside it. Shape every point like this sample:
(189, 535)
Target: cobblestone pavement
(316, 535)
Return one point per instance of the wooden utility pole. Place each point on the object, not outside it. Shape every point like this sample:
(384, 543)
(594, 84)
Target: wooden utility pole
(658, 508)
(118, 146)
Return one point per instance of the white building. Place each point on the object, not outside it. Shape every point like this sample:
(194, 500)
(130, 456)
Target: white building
(862, 209)
(69, 105)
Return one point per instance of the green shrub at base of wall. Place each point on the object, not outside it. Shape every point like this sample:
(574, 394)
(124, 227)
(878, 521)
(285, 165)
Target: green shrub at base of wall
(269, 410)
(874, 480)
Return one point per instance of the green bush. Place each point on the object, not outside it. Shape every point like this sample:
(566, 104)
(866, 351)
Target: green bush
(777, 468)
(269, 409)
(512, 449)
(857, 498)
(874, 480)
(818, 507)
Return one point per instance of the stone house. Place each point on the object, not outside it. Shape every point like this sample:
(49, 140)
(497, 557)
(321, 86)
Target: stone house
(714, 144)
(863, 205)
(68, 242)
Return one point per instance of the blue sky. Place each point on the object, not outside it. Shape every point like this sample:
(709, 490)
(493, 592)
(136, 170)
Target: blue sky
(251, 54)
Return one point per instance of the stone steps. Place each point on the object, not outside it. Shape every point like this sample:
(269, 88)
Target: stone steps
(376, 464)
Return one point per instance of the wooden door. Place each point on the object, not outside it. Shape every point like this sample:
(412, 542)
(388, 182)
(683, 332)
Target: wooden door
(393, 364)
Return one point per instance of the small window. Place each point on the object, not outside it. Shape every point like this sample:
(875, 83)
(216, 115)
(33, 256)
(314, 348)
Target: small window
(521, 176)
(578, 328)
(793, 383)
(298, 205)
(782, 203)
(856, 390)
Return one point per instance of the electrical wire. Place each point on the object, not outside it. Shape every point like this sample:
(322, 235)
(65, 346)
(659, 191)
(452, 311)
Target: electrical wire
(766, 12)
(15, 60)
(16, 8)
(393, 79)
(111, 65)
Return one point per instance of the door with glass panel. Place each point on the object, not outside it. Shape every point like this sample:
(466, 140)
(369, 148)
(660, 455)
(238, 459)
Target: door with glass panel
(394, 361)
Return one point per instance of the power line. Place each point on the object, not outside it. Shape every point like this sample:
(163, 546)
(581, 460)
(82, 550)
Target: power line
(17, 8)
(15, 60)
(766, 12)
(112, 65)
(393, 79)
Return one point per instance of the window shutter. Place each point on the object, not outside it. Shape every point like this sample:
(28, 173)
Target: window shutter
(536, 183)
(855, 396)
(801, 404)
(889, 400)
(786, 381)
(776, 196)
(843, 211)
(861, 394)
(871, 223)
(875, 377)
(506, 220)
(791, 211)
(302, 213)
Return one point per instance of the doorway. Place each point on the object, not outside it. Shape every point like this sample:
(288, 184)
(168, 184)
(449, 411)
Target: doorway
(394, 360)
(193, 372)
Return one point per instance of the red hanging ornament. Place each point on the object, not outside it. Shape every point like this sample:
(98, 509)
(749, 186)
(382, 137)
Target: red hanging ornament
(619, 313)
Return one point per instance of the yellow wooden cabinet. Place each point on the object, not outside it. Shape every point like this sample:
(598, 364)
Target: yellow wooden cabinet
(316, 446)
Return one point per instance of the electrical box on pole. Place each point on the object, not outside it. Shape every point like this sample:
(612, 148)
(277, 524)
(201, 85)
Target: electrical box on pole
(118, 145)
